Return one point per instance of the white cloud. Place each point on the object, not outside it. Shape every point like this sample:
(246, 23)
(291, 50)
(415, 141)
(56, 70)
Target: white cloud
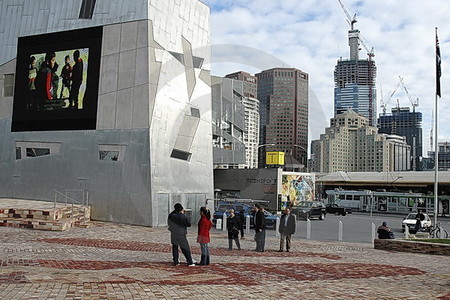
(312, 36)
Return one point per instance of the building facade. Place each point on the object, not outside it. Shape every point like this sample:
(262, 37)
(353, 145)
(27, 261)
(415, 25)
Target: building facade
(403, 122)
(251, 132)
(228, 117)
(134, 129)
(355, 82)
(250, 83)
(443, 157)
(283, 95)
(350, 144)
(354, 87)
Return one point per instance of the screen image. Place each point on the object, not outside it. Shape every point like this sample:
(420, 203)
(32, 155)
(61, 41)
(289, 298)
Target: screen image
(57, 78)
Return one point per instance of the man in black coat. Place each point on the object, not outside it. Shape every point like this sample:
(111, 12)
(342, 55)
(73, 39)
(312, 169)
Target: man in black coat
(286, 229)
(178, 223)
(260, 228)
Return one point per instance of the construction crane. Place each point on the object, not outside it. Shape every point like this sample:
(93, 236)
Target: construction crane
(370, 53)
(351, 21)
(383, 102)
(411, 96)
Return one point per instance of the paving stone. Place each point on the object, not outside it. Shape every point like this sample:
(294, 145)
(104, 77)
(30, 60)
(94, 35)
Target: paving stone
(116, 261)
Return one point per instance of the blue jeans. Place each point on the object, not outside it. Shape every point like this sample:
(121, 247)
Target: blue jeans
(205, 254)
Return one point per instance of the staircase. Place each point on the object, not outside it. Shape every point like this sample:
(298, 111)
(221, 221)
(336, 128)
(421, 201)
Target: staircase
(43, 215)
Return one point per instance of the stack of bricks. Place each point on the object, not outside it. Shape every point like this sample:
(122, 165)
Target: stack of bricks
(61, 217)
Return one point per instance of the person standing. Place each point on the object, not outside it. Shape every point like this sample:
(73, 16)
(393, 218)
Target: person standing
(286, 229)
(32, 96)
(234, 227)
(419, 218)
(43, 82)
(178, 223)
(260, 228)
(66, 73)
(204, 226)
(77, 79)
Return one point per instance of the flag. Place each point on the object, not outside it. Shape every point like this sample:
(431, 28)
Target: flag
(438, 67)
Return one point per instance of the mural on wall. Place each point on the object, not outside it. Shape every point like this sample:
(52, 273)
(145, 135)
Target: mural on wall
(296, 188)
(57, 79)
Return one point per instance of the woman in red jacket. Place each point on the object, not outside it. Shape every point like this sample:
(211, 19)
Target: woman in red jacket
(204, 226)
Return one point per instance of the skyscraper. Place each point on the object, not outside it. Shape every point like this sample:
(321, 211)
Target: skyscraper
(283, 96)
(251, 108)
(354, 82)
(403, 122)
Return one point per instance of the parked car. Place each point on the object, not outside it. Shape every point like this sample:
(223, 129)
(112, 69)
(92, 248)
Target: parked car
(410, 221)
(224, 207)
(337, 210)
(310, 209)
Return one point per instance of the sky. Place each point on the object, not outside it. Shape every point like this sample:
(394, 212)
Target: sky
(312, 35)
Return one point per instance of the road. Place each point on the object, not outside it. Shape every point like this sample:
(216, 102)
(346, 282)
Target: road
(357, 227)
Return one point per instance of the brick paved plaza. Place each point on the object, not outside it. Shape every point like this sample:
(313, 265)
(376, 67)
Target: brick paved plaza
(114, 261)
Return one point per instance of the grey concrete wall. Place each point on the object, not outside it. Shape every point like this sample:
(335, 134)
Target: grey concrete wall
(144, 96)
(256, 184)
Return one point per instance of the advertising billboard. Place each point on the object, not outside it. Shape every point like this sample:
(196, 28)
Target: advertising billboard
(57, 79)
(296, 187)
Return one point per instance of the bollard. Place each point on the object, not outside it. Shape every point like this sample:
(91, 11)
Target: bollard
(308, 229)
(373, 232)
(406, 232)
(277, 225)
(247, 225)
(340, 231)
(219, 224)
(224, 222)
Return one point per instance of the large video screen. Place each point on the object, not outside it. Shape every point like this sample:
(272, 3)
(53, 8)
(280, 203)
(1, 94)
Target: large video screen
(57, 78)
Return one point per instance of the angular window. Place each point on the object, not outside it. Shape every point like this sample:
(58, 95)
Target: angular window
(181, 155)
(8, 85)
(87, 9)
(34, 152)
(18, 153)
(111, 152)
(35, 149)
(109, 155)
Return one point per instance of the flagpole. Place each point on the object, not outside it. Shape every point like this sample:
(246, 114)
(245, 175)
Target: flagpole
(436, 147)
(436, 160)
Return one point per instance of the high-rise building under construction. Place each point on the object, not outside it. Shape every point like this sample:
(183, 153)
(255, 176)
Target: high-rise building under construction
(403, 122)
(354, 82)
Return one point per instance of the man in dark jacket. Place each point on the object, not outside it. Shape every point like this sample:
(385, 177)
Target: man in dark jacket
(384, 232)
(178, 223)
(260, 228)
(286, 229)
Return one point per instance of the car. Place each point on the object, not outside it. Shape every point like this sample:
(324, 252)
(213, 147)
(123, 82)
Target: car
(224, 207)
(337, 210)
(410, 221)
(309, 209)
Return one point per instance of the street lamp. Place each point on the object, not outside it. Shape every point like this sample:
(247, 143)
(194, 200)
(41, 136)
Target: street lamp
(261, 157)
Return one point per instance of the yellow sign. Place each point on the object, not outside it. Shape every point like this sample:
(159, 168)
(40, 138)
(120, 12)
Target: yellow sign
(274, 158)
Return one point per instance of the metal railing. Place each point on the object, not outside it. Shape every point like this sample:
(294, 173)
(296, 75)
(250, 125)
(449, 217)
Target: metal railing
(85, 198)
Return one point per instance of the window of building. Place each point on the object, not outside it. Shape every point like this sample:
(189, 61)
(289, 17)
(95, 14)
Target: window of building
(87, 9)
(8, 85)
(111, 152)
(26, 149)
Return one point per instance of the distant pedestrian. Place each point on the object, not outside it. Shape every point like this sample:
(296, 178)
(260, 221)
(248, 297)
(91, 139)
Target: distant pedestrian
(241, 216)
(234, 227)
(260, 228)
(419, 218)
(204, 226)
(178, 223)
(384, 232)
(286, 229)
